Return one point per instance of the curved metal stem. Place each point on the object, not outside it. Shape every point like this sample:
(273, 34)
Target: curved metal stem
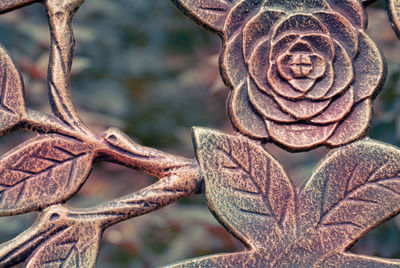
(168, 190)
(60, 14)
(179, 177)
(9, 5)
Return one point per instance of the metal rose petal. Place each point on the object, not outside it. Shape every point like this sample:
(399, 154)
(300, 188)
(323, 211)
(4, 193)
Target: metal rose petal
(354, 126)
(369, 69)
(239, 15)
(258, 65)
(337, 109)
(260, 27)
(322, 85)
(281, 86)
(234, 69)
(342, 76)
(282, 45)
(301, 65)
(353, 10)
(301, 47)
(267, 106)
(299, 5)
(284, 85)
(284, 66)
(302, 85)
(319, 66)
(301, 109)
(298, 66)
(243, 116)
(299, 23)
(322, 44)
(341, 30)
(298, 137)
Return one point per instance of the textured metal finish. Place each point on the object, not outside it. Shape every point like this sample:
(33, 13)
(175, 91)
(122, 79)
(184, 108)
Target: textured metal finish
(394, 15)
(47, 170)
(352, 190)
(303, 74)
(7, 5)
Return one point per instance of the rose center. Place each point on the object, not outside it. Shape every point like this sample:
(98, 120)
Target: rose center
(302, 69)
(301, 65)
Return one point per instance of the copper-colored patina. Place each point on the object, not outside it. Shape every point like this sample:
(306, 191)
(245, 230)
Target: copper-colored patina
(302, 74)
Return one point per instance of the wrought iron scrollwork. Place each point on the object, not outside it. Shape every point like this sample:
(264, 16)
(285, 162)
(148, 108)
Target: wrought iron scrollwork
(302, 74)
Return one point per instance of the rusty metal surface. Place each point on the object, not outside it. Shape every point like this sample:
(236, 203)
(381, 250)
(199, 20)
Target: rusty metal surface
(302, 74)
(394, 15)
(352, 190)
(8, 5)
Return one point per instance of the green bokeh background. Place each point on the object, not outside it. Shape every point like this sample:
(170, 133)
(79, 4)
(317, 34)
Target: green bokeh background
(144, 67)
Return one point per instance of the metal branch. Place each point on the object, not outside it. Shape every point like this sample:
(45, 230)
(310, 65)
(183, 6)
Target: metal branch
(9, 5)
(118, 148)
(41, 123)
(58, 218)
(179, 177)
(60, 14)
(186, 182)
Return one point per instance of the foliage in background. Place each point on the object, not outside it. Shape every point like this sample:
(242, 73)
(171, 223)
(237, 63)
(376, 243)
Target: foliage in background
(142, 66)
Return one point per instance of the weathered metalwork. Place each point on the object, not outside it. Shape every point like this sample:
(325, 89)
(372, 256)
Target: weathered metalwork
(302, 74)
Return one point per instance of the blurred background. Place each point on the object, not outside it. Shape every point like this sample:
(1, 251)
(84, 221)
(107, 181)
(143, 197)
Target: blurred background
(142, 66)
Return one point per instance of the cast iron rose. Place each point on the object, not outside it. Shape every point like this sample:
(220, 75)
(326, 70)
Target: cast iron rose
(302, 77)
(303, 73)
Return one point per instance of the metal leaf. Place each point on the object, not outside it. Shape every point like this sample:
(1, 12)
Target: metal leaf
(351, 260)
(76, 246)
(210, 13)
(42, 171)
(59, 238)
(242, 259)
(246, 188)
(12, 96)
(353, 190)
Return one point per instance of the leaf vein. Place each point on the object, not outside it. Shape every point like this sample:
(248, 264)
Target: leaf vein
(66, 151)
(345, 223)
(68, 255)
(266, 202)
(3, 93)
(244, 191)
(358, 199)
(21, 191)
(351, 177)
(71, 173)
(387, 188)
(375, 171)
(338, 203)
(49, 169)
(255, 212)
(56, 93)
